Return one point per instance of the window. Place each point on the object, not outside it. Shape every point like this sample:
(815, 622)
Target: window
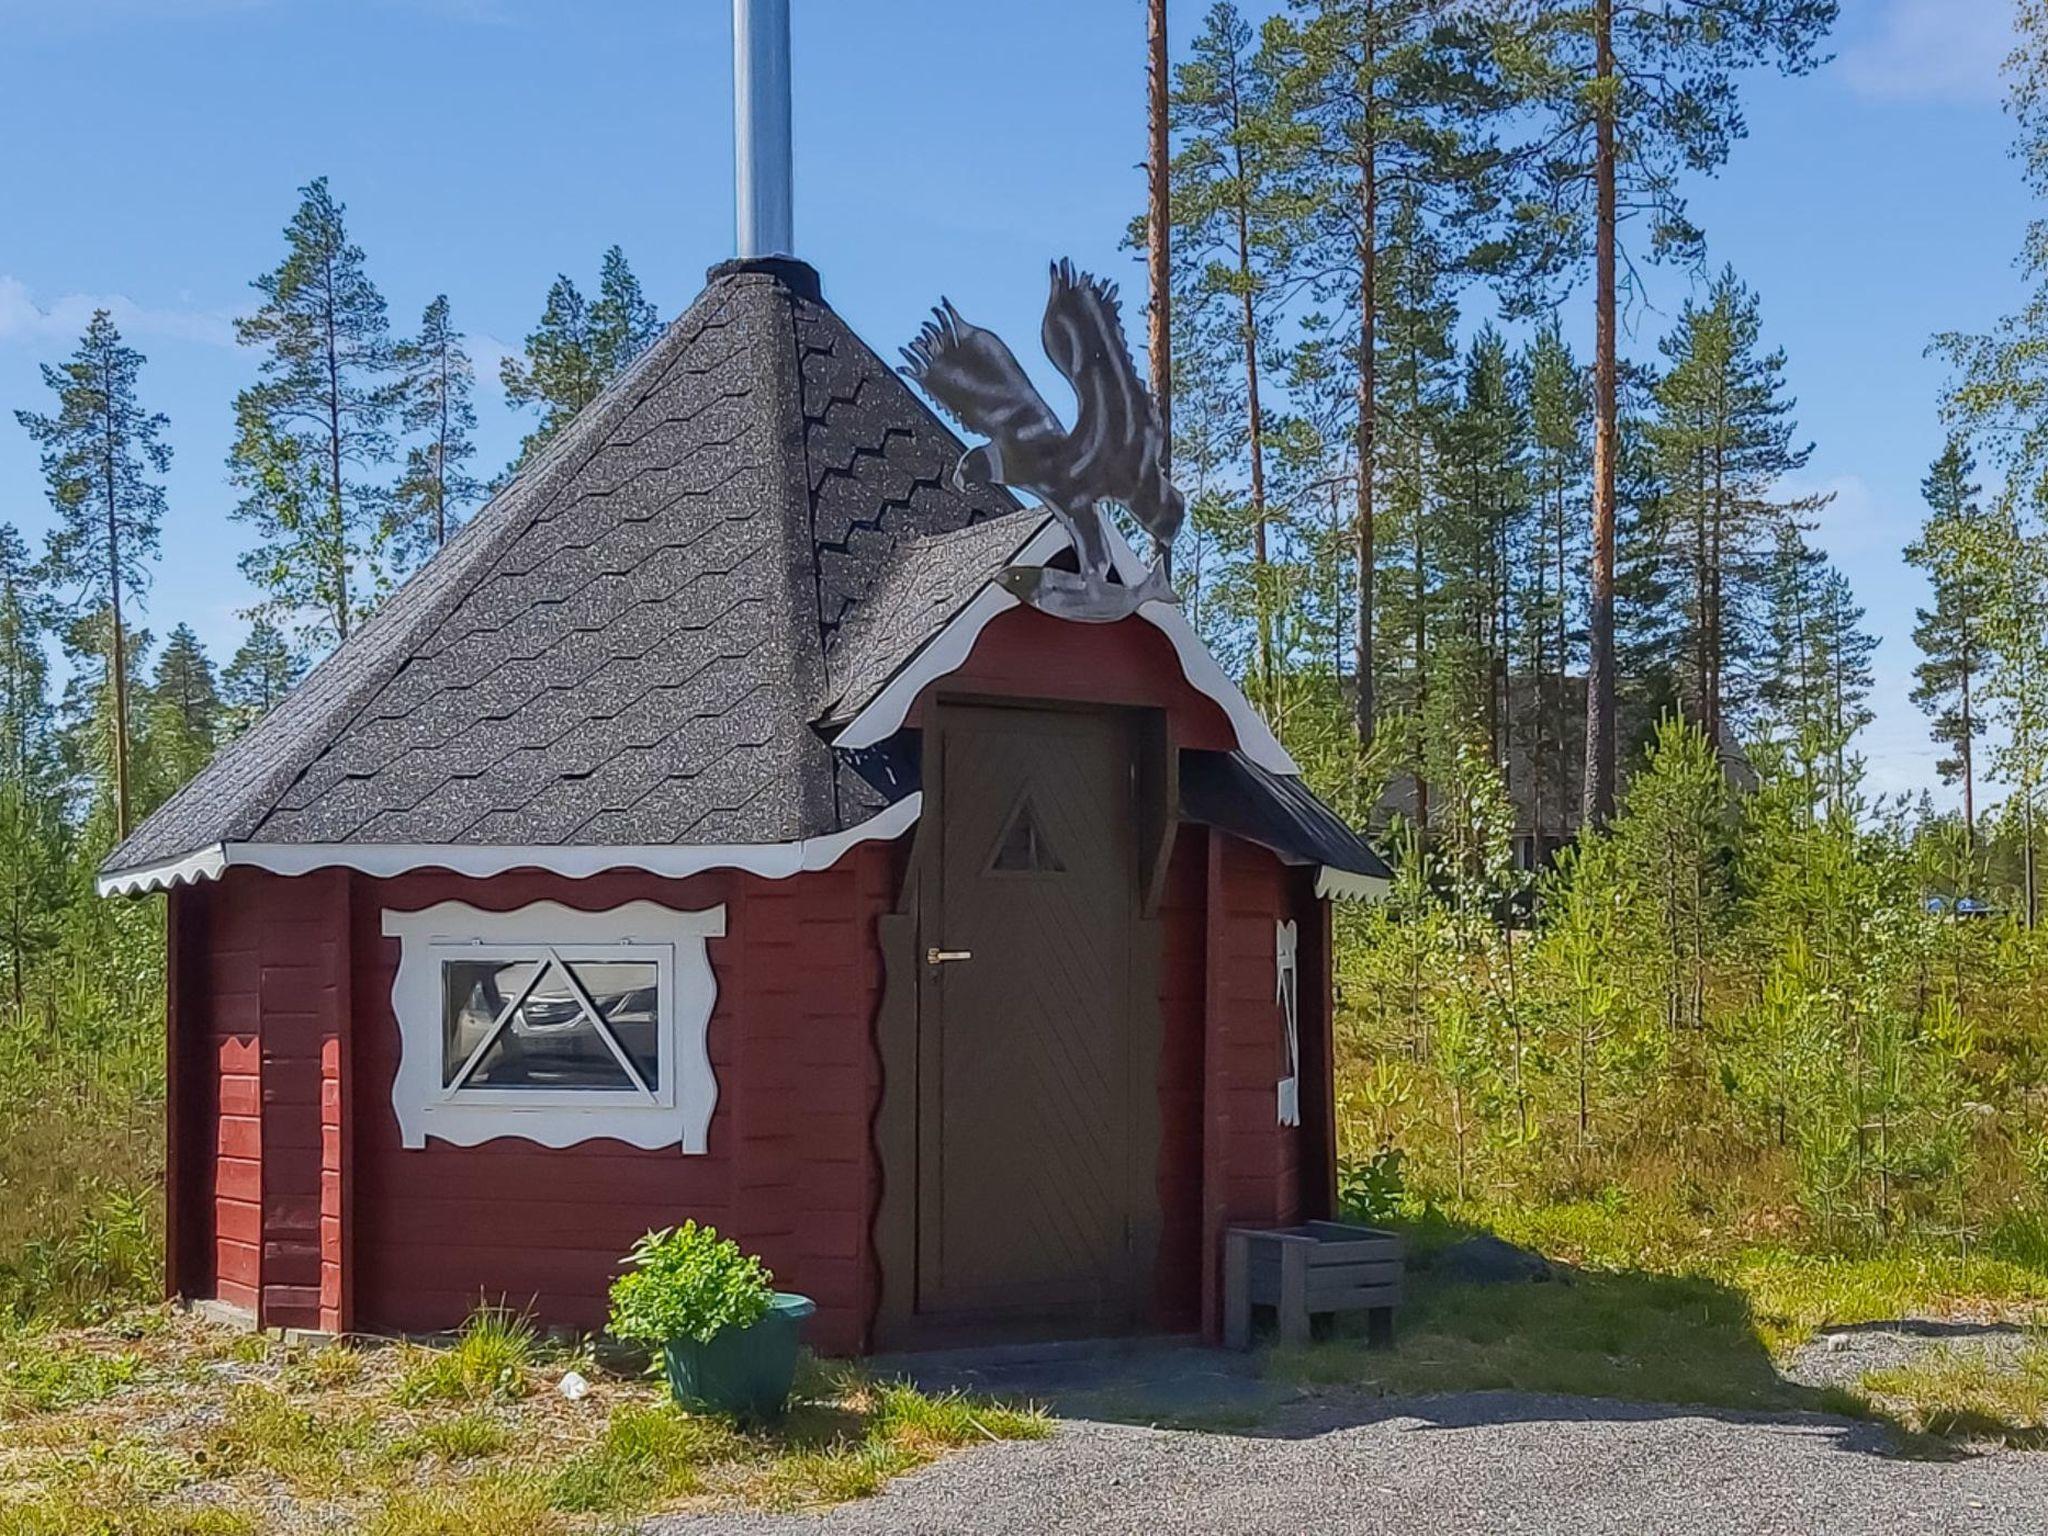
(554, 1024)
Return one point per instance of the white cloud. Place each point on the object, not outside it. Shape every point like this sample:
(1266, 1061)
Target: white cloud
(24, 319)
(1931, 50)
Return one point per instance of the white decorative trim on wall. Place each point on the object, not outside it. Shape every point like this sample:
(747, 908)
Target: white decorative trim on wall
(1287, 992)
(578, 861)
(674, 941)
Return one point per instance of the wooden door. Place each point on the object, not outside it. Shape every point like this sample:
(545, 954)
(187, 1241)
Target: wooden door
(1027, 1168)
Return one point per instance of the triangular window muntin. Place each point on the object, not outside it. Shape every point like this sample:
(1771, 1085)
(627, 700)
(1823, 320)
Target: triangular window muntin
(1023, 848)
(558, 1025)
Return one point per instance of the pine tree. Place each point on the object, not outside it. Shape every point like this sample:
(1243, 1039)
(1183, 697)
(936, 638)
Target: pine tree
(1723, 437)
(259, 674)
(1848, 648)
(2016, 684)
(1486, 511)
(1559, 468)
(94, 720)
(1382, 95)
(317, 422)
(1159, 237)
(1999, 378)
(578, 348)
(1418, 383)
(102, 454)
(186, 713)
(1634, 95)
(1950, 635)
(435, 381)
(24, 671)
(1234, 234)
(33, 884)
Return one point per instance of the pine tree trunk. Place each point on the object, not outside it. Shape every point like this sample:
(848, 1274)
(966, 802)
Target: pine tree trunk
(1965, 754)
(119, 648)
(334, 498)
(1421, 628)
(1717, 555)
(1538, 690)
(441, 460)
(1255, 427)
(1368, 409)
(1159, 247)
(1600, 710)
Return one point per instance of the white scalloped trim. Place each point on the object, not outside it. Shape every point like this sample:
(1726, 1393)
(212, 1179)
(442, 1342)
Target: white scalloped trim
(691, 992)
(773, 861)
(1331, 881)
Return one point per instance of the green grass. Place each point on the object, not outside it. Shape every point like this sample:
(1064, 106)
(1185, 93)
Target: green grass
(1963, 1393)
(468, 1438)
(1644, 1338)
(491, 1360)
(39, 1373)
(162, 1425)
(909, 1418)
(492, 1504)
(1659, 1308)
(1796, 1295)
(648, 1456)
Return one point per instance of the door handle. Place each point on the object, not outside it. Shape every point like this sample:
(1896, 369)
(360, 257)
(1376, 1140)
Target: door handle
(936, 956)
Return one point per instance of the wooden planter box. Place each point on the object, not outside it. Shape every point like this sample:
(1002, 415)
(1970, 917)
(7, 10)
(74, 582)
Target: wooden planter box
(1320, 1267)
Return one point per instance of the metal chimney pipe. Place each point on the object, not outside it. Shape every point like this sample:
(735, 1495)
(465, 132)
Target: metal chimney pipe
(760, 127)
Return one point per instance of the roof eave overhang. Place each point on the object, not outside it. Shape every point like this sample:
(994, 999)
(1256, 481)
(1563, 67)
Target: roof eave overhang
(574, 861)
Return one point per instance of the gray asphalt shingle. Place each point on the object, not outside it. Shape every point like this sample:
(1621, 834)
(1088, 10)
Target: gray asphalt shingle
(633, 643)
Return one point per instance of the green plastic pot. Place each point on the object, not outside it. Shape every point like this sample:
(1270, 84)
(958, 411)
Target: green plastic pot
(742, 1371)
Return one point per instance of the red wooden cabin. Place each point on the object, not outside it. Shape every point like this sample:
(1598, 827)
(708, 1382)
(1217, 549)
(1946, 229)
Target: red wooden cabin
(703, 833)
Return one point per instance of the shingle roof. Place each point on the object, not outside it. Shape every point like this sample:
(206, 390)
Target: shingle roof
(630, 644)
(928, 583)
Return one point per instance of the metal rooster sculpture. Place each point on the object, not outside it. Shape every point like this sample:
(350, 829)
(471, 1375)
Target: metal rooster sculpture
(1115, 452)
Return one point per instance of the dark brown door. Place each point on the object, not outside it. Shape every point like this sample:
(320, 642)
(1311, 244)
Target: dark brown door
(1025, 1033)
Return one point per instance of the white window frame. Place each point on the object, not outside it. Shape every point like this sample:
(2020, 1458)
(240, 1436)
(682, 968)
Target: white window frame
(676, 1113)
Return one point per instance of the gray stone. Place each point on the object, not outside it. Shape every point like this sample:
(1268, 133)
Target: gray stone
(1488, 1260)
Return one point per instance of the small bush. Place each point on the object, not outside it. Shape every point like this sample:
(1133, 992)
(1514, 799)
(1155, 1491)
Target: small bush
(688, 1283)
(1370, 1189)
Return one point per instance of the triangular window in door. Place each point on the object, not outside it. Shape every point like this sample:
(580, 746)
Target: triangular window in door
(1023, 848)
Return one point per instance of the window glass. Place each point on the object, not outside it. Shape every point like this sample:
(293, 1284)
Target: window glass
(624, 992)
(550, 1024)
(474, 994)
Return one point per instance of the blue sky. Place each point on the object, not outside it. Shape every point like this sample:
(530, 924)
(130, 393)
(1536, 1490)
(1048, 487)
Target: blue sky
(483, 145)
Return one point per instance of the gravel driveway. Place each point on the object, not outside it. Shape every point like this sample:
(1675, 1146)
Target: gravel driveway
(1463, 1464)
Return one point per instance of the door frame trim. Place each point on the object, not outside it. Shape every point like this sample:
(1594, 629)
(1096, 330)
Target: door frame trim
(896, 1322)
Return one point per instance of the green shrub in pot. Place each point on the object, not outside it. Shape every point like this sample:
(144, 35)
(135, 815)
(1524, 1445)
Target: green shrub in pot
(726, 1337)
